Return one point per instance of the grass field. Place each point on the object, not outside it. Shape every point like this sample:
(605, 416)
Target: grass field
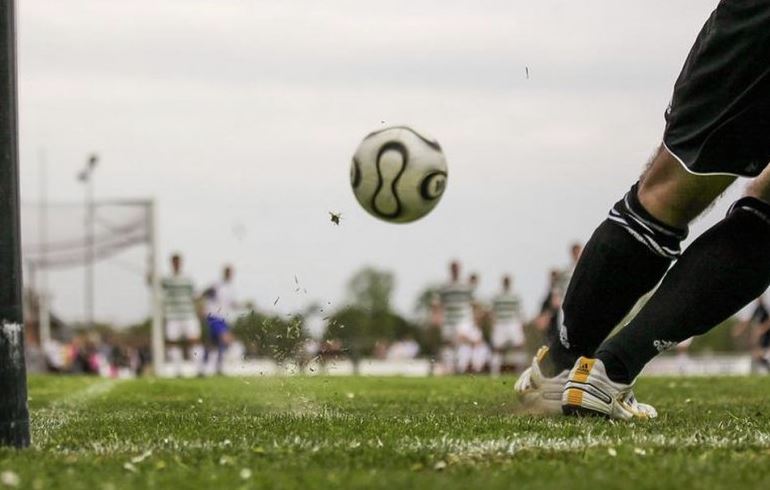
(394, 433)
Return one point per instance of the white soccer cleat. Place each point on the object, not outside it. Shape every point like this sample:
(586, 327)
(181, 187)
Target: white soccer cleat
(589, 391)
(537, 392)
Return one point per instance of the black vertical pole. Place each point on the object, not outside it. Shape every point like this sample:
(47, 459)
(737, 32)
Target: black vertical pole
(14, 416)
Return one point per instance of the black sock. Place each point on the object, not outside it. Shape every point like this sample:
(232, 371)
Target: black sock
(722, 271)
(625, 258)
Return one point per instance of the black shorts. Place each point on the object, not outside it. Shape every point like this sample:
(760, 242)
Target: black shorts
(719, 118)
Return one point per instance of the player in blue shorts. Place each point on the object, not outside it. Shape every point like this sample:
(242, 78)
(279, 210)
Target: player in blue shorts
(220, 306)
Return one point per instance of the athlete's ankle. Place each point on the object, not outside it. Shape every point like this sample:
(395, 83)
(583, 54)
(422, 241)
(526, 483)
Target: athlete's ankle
(614, 367)
(558, 360)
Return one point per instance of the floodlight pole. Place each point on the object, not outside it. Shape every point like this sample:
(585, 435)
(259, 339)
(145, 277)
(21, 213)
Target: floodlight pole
(86, 176)
(43, 315)
(14, 415)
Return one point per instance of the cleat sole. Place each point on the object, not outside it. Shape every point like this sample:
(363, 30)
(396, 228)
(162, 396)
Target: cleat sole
(578, 411)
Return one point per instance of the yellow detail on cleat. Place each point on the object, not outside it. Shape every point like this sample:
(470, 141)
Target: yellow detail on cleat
(541, 352)
(583, 370)
(574, 397)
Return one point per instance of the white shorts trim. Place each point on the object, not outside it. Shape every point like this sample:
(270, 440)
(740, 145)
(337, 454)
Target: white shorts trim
(187, 329)
(470, 331)
(689, 171)
(509, 334)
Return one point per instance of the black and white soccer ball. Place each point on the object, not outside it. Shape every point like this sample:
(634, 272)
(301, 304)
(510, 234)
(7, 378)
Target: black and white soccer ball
(398, 174)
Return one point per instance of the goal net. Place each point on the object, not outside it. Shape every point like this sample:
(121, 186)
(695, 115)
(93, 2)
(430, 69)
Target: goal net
(61, 236)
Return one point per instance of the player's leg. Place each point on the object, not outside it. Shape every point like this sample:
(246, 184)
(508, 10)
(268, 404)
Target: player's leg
(496, 361)
(222, 342)
(464, 356)
(448, 350)
(722, 271)
(174, 345)
(498, 348)
(192, 330)
(628, 254)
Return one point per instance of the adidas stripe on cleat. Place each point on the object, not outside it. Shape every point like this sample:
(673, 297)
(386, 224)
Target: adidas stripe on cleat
(538, 393)
(589, 391)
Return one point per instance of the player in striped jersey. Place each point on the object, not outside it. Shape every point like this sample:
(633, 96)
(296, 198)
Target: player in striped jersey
(456, 313)
(181, 318)
(472, 350)
(507, 325)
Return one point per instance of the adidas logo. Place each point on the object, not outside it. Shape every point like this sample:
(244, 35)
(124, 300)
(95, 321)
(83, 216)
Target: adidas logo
(664, 345)
(583, 368)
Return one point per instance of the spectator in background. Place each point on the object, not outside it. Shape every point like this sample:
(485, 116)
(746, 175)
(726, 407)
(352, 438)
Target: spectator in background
(404, 349)
(575, 250)
(757, 324)
(549, 318)
(183, 328)
(683, 355)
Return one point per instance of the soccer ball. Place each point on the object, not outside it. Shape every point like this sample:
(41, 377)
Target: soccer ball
(398, 174)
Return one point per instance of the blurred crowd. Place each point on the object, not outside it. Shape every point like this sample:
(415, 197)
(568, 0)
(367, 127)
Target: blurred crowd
(461, 331)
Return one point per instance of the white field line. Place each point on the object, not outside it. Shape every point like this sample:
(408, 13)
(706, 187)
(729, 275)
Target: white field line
(63, 411)
(81, 397)
(475, 448)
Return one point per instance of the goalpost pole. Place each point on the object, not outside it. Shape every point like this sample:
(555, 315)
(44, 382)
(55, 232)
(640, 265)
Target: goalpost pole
(158, 350)
(14, 415)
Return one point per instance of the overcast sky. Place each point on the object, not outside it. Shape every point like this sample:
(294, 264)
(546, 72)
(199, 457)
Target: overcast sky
(240, 118)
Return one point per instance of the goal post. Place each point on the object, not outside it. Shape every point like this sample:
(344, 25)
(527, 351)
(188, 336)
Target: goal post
(14, 415)
(156, 298)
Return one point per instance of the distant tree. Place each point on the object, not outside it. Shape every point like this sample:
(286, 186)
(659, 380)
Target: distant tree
(370, 289)
(368, 317)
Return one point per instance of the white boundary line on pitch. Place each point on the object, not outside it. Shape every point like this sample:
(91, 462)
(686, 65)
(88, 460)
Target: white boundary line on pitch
(471, 448)
(63, 411)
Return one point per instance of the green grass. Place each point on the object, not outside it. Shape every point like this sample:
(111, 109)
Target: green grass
(393, 433)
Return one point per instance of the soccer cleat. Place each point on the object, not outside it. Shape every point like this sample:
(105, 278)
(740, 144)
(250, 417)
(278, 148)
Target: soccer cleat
(537, 392)
(589, 391)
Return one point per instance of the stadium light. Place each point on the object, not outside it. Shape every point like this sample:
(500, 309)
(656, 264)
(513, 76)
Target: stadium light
(14, 415)
(86, 177)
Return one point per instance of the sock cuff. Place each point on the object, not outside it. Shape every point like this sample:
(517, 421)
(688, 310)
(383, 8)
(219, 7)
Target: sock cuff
(757, 207)
(660, 238)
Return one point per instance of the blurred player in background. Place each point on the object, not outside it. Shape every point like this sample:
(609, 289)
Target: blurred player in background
(575, 250)
(757, 325)
(472, 350)
(549, 318)
(183, 329)
(507, 325)
(478, 308)
(455, 311)
(220, 306)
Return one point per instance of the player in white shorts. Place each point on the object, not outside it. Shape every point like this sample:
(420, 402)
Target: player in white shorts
(472, 351)
(456, 312)
(507, 325)
(181, 319)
